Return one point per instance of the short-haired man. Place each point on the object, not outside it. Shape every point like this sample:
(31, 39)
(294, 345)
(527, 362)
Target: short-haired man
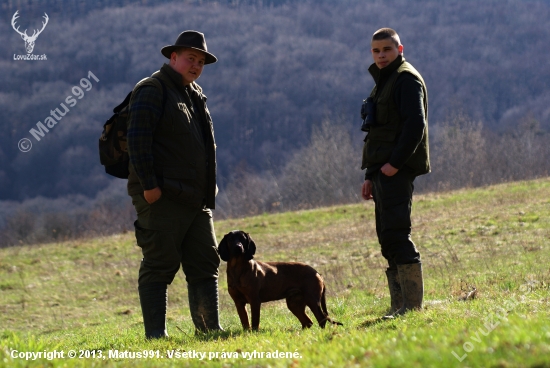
(172, 183)
(394, 153)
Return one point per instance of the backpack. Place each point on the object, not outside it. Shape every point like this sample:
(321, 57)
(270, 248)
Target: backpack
(113, 149)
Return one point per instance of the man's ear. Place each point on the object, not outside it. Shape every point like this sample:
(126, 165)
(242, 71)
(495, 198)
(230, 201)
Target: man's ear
(400, 49)
(251, 249)
(173, 57)
(223, 249)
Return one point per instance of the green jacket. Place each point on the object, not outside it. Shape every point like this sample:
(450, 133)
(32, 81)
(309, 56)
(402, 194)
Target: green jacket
(400, 135)
(177, 152)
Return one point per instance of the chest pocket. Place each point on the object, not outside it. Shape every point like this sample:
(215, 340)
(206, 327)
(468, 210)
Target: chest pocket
(180, 118)
(386, 132)
(383, 109)
(388, 121)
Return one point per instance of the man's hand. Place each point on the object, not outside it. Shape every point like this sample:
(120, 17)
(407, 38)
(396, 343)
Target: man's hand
(366, 191)
(389, 170)
(152, 195)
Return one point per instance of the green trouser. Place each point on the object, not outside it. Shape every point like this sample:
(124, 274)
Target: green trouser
(393, 202)
(171, 234)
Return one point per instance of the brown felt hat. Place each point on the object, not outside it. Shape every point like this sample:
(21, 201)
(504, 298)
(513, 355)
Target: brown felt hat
(193, 40)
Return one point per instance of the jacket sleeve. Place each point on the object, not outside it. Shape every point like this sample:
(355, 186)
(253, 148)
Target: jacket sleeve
(144, 113)
(409, 98)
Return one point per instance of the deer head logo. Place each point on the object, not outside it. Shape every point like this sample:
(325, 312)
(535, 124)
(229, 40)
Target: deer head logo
(29, 40)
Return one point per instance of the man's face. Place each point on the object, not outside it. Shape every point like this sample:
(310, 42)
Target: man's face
(189, 64)
(384, 52)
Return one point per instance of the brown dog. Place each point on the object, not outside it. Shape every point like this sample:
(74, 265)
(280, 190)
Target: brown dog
(255, 282)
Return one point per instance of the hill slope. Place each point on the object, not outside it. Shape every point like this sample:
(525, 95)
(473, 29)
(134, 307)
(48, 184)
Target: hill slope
(82, 295)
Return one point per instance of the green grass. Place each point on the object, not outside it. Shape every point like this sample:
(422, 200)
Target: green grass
(82, 295)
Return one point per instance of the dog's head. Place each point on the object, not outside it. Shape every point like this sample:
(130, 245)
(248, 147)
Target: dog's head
(236, 244)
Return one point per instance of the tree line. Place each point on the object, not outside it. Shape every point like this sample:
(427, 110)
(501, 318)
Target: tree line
(325, 172)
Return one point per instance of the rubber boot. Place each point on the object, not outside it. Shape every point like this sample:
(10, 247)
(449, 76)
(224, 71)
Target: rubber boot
(412, 286)
(153, 298)
(396, 293)
(203, 303)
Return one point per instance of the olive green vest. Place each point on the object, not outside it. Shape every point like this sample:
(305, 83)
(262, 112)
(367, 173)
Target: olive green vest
(185, 167)
(384, 135)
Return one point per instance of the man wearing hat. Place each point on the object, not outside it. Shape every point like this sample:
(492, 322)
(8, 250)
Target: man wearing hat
(172, 183)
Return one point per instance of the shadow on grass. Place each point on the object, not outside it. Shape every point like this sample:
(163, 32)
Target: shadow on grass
(372, 322)
(214, 335)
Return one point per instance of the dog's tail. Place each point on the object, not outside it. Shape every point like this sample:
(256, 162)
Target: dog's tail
(324, 302)
(324, 308)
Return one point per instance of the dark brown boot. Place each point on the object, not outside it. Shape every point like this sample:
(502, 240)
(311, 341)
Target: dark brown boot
(396, 294)
(412, 286)
(153, 299)
(204, 305)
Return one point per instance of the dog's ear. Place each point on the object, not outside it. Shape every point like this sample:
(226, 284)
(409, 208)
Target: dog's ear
(251, 249)
(223, 249)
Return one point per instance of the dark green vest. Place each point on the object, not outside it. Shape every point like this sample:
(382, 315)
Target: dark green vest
(384, 135)
(184, 165)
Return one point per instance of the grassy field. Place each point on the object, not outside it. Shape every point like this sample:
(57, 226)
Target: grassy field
(81, 296)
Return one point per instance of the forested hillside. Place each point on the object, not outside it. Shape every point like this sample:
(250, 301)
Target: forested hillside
(285, 67)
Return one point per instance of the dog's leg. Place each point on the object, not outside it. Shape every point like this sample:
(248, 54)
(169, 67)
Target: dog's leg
(319, 309)
(255, 305)
(240, 303)
(318, 312)
(297, 306)
(315, 300)
(243, 315)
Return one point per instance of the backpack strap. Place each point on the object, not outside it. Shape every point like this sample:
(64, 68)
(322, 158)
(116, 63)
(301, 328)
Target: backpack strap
(123, 104)
(126, 101)
(164, 96)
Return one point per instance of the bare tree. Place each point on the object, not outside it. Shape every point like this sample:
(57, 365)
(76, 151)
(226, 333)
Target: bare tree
(457, 155)
(325, 172)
